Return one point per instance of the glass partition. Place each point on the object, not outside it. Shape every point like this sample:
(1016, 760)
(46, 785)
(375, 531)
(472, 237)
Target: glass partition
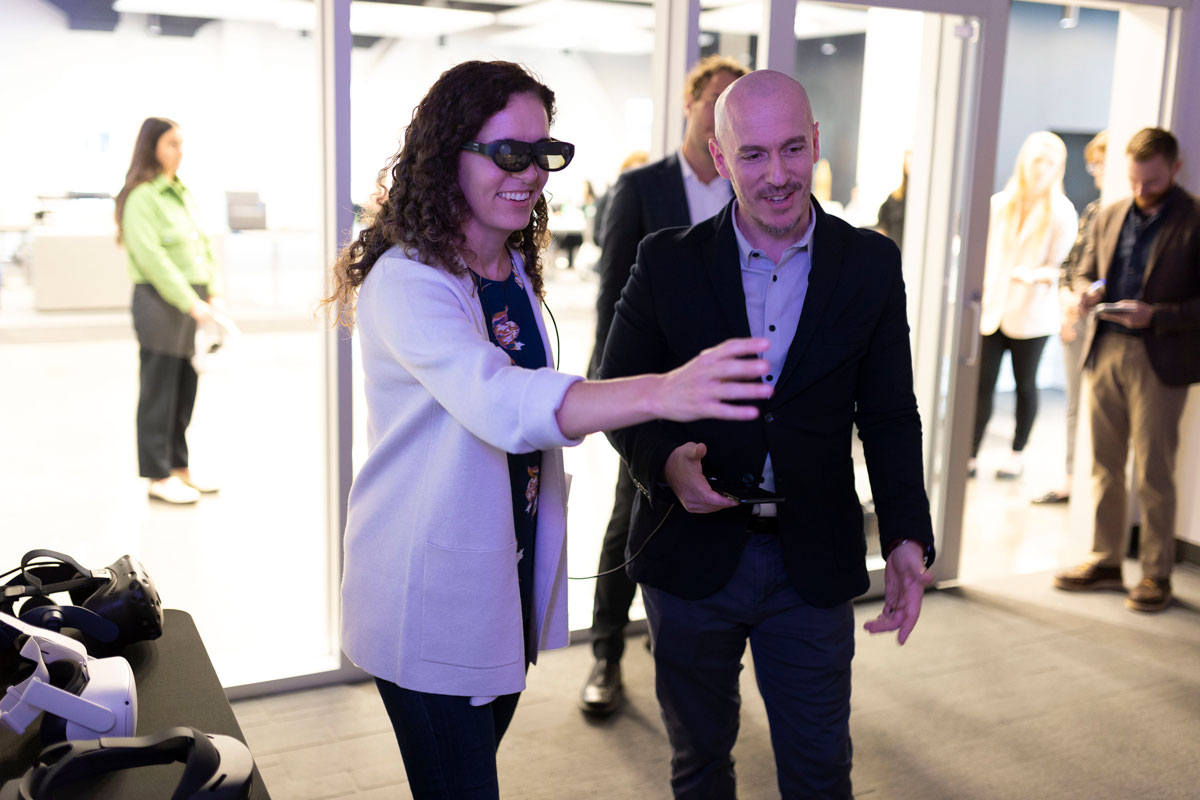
(249, 563)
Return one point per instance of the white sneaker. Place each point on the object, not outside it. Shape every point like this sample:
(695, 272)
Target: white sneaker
(174, 491)
(1012, 468)
(199, 484)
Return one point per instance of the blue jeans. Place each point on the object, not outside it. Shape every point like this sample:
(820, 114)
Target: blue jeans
(801, 660)
(448, 745)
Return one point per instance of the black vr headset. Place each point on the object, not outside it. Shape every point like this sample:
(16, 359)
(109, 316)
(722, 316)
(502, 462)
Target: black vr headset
(113, 606)
(217, 767)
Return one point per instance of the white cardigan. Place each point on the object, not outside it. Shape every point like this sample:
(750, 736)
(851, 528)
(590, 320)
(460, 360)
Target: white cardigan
(429, 588)
(1020, 278)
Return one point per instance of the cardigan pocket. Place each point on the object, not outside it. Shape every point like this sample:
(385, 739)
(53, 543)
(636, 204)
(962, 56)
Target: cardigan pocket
(471, 614)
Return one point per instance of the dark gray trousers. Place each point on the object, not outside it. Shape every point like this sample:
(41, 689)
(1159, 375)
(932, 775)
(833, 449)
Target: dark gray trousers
(165, 403)
(802, 660)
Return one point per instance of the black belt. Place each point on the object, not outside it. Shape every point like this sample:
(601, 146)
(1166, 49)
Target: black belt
(763, 525)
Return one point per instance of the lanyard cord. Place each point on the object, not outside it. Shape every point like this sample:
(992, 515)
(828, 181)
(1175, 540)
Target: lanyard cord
(629, 560)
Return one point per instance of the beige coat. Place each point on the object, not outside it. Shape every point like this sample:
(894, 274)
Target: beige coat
(1020, 279)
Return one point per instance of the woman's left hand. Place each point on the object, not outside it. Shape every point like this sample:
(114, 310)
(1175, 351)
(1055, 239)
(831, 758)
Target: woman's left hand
(707, 386)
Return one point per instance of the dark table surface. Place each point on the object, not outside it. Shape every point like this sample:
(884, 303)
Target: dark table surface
(176, 685)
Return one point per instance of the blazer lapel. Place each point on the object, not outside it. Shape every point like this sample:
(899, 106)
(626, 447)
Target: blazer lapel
(826, 250)
(1166, 230)
(717, 258)
(1110, 238)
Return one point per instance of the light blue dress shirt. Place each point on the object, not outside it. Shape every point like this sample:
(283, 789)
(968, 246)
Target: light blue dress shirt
(774, 299)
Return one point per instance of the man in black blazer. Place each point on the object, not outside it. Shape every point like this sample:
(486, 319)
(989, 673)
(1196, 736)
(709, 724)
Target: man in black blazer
(716, 573)
(679, 190)
(1142, 351)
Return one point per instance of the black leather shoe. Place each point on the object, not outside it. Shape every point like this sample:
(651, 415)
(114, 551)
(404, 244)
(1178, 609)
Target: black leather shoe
(602, 694)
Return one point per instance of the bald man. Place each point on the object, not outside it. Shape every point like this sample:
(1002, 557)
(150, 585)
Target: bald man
(716, 572)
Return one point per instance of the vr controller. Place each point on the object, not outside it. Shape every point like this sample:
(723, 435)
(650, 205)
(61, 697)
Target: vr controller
(81, 697)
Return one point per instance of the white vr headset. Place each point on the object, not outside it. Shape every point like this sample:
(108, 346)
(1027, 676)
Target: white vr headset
(82, 697)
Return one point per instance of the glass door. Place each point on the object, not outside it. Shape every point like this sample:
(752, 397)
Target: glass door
(896, 91)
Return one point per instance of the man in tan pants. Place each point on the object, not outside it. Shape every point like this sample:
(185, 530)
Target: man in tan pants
(1140, 275)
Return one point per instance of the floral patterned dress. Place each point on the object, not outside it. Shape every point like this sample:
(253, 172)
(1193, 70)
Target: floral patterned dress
(513, 328)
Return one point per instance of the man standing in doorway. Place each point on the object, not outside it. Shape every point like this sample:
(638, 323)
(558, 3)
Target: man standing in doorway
(716, 573)
(1143, 349)
(679, 190)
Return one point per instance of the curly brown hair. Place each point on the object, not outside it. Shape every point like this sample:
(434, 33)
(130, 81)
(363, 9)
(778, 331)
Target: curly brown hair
(425, 209)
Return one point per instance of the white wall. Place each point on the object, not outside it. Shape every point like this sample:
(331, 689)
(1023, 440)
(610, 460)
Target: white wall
(891, 79)
(1051, 77)
(246, 97)
(1186, 124)
(244, 94)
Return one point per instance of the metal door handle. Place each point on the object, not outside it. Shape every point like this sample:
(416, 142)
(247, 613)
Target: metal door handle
(976, 310)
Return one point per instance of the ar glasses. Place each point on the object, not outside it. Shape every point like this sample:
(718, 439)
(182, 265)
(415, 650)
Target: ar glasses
(512, 155)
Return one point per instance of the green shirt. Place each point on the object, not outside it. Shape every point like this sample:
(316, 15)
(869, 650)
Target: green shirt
(166, 248)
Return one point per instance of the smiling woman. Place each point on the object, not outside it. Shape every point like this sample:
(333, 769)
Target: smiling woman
(447, 601)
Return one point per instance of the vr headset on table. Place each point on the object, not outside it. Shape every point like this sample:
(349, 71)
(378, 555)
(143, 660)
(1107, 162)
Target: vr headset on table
(113, 606)
(81, 697)
(216, 767)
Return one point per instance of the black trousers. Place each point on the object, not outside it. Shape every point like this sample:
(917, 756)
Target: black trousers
(165, 403)
(614, 593)
(1026, 354)
(447, 744)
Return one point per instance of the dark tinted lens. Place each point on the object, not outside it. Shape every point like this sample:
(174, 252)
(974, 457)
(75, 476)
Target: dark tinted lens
(511, 156)
(553, 156)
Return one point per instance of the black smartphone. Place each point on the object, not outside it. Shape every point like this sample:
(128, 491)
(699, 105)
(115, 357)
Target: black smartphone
(743, 493)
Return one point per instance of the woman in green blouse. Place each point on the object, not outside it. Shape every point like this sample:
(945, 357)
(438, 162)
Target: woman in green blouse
(172, 269)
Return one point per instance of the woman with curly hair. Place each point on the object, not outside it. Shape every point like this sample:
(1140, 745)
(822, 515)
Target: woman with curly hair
(455, 560)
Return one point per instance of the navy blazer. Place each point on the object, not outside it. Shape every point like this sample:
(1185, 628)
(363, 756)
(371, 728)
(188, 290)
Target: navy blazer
(849, 365)
(642, 201)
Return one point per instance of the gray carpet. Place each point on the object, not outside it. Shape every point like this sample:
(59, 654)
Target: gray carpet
(1007, 690)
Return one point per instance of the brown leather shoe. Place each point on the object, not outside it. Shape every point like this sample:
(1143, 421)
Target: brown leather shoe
(1089, 577)
(602, 694)
(1152, 594)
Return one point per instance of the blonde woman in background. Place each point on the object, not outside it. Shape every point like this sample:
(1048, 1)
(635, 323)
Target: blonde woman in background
(1031, 230)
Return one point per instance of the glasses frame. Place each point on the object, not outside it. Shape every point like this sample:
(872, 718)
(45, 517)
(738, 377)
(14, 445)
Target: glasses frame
(533, 151)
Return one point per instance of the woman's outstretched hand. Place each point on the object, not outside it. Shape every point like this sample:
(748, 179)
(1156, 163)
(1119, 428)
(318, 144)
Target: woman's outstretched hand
(703, 387)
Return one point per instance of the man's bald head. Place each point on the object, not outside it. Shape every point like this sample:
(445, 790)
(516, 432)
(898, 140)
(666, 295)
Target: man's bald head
(754, 88)
(765, 142)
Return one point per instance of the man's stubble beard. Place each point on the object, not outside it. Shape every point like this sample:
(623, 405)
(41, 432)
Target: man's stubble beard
(777, 230)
